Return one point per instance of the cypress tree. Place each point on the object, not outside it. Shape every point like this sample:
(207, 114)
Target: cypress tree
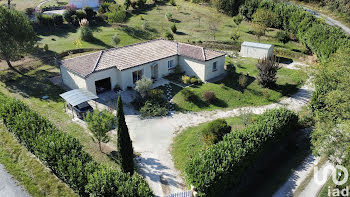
(126, 152)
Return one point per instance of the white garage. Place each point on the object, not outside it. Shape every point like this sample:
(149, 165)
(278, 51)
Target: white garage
(256, 50)
(84, 3)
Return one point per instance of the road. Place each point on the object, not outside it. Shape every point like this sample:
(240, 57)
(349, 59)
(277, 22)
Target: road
(9, 187)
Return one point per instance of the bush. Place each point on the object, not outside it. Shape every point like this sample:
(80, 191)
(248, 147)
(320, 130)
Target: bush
(186, 79)
(86, 33)
(209, 96)
(155, 94)
(283, 37)
(173, 28)
(194, 80)
(46, 47)
(68, 13)
(242, 81)
(152, 109)
(223, 165)
(64, 155)
(172, 2)
(141, 4)
(115, 40)
(80, 14)
(45, 20)
(57, 19)
(267, 71)
(29, 11)
(90, 13)
(169, 36)
(116, 15)
(168, 16)
(188, 94)
(215, 131)
(143, 86)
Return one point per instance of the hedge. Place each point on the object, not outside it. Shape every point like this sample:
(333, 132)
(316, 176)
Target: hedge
(65, 156)
(223, 165)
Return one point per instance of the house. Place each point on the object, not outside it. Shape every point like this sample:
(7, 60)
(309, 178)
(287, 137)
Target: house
(83, 3)
(123, 66)
(256, 50)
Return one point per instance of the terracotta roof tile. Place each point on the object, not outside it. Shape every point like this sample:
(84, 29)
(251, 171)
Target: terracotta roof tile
(136, 54)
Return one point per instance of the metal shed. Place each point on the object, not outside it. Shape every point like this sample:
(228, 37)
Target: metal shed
(256, 50)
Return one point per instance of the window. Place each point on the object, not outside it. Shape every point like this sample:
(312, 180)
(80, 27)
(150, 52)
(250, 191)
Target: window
(136, 75)
(214, 67)
(170, 64)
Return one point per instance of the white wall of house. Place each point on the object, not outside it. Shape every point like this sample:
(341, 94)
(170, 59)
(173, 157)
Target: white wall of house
(82, 3)
(220, 68)
(256, 52)
(127, 76)
(72, 80)
(192, 67)
(113, 73)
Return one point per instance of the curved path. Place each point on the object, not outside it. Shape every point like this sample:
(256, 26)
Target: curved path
(9, 187)
(152, 138)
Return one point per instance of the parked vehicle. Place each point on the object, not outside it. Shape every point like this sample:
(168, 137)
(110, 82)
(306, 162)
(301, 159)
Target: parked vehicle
(81, 110)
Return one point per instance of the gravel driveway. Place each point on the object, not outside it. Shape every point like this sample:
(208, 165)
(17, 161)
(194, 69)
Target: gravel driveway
(9, 187)
(152, 138)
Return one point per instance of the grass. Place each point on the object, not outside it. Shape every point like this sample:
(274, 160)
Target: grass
(35, 84)
(186, 17)
(22, 4)
(189, 142)
(28, 170)
(230, 94)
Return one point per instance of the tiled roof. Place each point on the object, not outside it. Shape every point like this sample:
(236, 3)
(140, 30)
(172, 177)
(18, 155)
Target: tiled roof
(136, 54)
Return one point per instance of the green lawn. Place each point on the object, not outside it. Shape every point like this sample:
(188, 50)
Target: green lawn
(28, 170)
(35, 84)
(186, 16)
(231, 95)
(22, 4)
(189, 142)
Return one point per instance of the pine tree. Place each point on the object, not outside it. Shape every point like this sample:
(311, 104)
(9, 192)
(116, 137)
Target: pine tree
(126, 152)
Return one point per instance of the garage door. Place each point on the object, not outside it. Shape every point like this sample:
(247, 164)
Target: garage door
(103, 85)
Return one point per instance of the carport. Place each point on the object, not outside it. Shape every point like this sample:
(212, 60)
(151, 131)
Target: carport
(77, 96)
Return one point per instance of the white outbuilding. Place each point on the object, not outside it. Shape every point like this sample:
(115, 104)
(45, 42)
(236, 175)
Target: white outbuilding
(256, 50)
(85, 3)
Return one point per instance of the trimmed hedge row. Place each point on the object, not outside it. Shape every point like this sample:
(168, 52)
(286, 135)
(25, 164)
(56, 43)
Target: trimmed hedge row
(223, 165)
(65, 156)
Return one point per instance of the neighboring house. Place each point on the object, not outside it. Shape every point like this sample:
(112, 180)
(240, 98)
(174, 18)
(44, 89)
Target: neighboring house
(83, 3)
(123, 66)
(256, 50)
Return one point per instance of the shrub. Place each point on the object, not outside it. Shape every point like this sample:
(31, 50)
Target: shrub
(64, 155)
(80, 14)
(57, 19)
(283, 37)
(168, 16)
(29, 11)
(116, 15)
(231, 68)
(215, 131)
(115, 40)
(188, 94)
(143, 86)
(168, 35)
(173, 28)
(155, 94)
(209, 96)
(186, 79)
(45, 20)
(86, 33)
(223, 165)
(90, 13)
(194, 80)
(46, 47)
(172, 2)
(267, 71)
(141, 4)
(242, 81)
(151, 109)
(68, 13)
(177, 69)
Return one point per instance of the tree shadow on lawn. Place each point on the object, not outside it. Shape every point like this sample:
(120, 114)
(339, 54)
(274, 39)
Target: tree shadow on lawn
(286, 89)
(62, 31)
(232, 81)
(99, 42)
(137, 33)
(34, 85)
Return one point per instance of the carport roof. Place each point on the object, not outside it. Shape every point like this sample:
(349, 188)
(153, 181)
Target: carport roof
(78, 96)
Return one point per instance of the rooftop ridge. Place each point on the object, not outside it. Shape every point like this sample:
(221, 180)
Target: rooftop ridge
(79, 56)
(98, 60)
(131, 45)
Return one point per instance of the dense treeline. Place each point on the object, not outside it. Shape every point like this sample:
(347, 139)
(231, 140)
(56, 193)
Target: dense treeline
(65, 156)
(223, 165)
(335, 5)
(320, 38)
